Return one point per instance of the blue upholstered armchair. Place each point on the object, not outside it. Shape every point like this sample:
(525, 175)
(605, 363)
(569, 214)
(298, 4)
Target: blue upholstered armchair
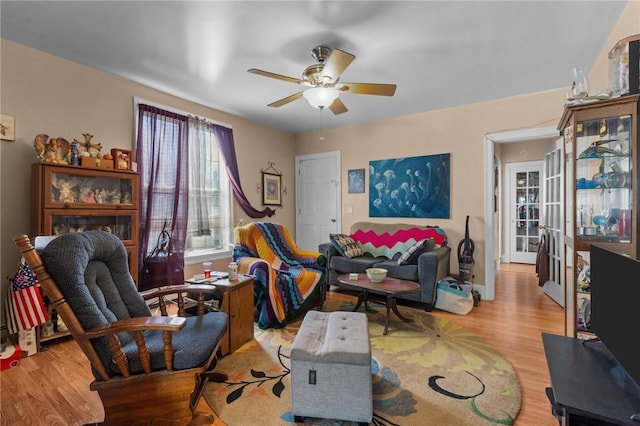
(147, 368)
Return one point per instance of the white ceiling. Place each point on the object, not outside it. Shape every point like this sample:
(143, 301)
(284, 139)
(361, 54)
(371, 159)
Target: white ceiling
(440, 53)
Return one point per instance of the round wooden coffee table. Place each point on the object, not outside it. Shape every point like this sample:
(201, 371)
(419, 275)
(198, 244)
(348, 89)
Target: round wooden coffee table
(388, 288)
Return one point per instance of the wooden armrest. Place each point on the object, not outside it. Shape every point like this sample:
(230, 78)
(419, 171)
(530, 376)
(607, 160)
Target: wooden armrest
(167, 325)
(137, 324)
(180, 290)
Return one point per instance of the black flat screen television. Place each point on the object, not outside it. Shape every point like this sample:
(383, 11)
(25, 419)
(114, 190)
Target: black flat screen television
(615, 306)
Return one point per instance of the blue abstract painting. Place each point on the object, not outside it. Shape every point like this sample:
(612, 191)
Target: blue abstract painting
(410, 187)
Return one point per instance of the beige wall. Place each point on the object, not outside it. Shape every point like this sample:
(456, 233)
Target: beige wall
(523, 151)
(50, 95)
(47, 94)
(459, 131)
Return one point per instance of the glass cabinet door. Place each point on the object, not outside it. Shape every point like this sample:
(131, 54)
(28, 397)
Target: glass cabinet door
(122, 224)
(601, 141)
(603, 180)
(84, 188)
(603, 200)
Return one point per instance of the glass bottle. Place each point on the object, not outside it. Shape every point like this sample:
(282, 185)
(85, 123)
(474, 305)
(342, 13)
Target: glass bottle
(580, 86)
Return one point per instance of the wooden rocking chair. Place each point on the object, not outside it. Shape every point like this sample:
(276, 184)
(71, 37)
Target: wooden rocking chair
(148, 369)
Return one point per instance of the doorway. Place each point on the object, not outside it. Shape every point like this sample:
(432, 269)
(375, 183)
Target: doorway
(318, 199)
(491, 217)
(522, 211)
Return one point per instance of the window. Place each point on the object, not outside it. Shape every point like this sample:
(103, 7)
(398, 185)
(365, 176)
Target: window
(207, 206)
(209, 224)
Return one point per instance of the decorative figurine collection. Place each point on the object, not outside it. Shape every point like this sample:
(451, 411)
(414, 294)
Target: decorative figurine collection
(74, 189)
(86, 153)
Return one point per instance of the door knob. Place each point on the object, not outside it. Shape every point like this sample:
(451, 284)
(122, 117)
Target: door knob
(333, 219)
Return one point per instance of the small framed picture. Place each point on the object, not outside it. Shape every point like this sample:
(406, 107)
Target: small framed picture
(271, 189)
(7, 127)
(355, 178)
(121, 159)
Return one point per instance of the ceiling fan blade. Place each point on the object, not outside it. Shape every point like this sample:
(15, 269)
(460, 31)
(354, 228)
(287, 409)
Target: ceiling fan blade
(338, 107)
(338, 61)
(276, 76)
(369, 88)
(286, 100)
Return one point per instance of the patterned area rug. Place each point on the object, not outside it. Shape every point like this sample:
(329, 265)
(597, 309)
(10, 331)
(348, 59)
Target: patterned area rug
(429, 372)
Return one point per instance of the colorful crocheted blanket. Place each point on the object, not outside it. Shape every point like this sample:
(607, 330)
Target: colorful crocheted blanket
(389, 242)
(286, 278)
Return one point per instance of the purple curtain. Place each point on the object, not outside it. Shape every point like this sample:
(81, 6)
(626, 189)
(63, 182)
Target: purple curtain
(162, 156)
(227, 148)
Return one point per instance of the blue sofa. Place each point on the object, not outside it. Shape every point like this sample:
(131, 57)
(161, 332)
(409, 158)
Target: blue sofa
(382, 245)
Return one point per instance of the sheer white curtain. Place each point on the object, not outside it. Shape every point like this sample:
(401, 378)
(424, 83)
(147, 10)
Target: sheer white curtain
(208, 204)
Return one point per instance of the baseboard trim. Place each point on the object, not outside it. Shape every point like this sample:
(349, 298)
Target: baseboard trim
(481, 288)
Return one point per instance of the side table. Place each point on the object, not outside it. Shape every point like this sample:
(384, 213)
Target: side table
(237, 303)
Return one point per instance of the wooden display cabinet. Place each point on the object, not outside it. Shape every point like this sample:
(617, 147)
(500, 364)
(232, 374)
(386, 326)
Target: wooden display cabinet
(602, 193)
(75, 199)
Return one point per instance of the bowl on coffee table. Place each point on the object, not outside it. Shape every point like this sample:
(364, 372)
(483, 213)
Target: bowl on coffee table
(376, 275)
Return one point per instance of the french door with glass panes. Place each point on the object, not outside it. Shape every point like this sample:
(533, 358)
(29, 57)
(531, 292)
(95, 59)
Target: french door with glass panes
(524, 207)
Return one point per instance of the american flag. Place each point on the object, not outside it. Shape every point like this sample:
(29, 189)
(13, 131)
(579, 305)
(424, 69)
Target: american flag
(28, 307)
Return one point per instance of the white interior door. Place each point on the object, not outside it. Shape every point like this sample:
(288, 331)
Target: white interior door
(317, 198)
(553, 219)
(524, 210)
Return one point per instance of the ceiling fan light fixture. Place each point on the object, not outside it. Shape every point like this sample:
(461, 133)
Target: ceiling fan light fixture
(320, 97)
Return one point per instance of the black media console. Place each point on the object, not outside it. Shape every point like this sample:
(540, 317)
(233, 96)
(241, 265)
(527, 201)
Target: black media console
(589, 386)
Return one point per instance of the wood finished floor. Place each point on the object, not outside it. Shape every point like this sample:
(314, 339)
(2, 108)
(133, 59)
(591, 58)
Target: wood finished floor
(52, 387)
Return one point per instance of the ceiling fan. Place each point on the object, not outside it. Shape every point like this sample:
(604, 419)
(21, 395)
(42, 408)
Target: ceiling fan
(322, 81)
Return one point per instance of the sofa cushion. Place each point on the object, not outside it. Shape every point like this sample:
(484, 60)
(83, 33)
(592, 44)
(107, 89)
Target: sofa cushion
(344, 265)
(345, 245)
(411, 255)
(403, 272)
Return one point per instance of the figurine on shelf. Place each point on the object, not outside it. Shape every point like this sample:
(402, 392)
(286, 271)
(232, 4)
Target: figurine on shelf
(61, 325)
(101, 195)
(123, 161)
(47, 329)
(126, 198)
(92, 148)
(86, 193)
(74, 156)
(66, 194)
(114, 196)
(89, 197)
(53, 152)
(40, 144)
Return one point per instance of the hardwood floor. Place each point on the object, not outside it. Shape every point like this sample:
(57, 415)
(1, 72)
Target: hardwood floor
(513, 324)
(52, 387)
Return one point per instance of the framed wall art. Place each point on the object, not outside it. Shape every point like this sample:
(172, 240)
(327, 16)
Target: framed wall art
(271, 189)
(410, 187)
(355, 179)
(7, 127)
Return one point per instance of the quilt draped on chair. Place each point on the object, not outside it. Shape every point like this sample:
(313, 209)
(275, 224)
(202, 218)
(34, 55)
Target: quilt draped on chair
(286, 277)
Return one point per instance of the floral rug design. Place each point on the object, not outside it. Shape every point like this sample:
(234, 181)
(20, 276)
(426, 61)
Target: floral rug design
(428, 372)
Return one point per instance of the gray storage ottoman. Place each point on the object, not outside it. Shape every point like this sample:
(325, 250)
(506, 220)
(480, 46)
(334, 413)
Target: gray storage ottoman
(331, 367)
